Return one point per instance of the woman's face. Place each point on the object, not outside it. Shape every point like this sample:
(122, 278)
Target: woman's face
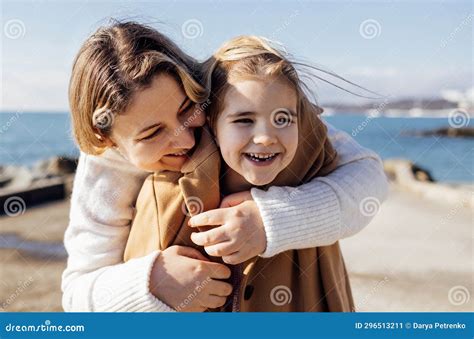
(157, 130)
(257, 131)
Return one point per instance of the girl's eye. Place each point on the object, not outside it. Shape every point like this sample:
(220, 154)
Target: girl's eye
(151, 136)
(243, 121)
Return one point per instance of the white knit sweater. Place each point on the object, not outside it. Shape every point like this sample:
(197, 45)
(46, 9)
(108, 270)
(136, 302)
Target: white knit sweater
(106, 187)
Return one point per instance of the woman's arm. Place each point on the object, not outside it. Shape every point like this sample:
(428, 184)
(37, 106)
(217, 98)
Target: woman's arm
(328, 208)
(96, 279)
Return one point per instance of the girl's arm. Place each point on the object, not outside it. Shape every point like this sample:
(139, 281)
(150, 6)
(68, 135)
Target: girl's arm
(328, 208)
(96, 279)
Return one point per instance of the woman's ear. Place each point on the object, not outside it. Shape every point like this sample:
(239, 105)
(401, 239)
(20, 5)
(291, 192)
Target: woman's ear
(105, 140)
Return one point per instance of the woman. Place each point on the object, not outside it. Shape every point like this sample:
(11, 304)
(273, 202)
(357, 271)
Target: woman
(117, 108)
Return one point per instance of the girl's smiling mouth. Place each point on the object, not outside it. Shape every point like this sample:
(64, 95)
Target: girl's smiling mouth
(261, 159)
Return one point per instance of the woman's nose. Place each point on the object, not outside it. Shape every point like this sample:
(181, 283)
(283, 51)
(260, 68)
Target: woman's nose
(184, 139)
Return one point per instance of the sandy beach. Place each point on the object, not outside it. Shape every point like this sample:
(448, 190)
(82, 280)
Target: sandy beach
(416, 255)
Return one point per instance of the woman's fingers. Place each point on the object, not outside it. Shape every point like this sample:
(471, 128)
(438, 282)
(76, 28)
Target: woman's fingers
(190, 252)
(209, 218)
(217, 270)
(220, 288)
(211, 237)
(213, 301)
(235, 199)
(223, 249)
(234, 258)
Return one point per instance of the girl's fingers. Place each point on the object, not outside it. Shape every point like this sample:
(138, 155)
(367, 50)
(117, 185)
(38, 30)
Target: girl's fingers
(222, 249)
(211, 237)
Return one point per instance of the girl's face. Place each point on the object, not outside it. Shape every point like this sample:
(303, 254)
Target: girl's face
(157, 130)
(257, 131)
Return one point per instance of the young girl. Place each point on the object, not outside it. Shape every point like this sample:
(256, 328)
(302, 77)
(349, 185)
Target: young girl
(268, 133)
(132, 96)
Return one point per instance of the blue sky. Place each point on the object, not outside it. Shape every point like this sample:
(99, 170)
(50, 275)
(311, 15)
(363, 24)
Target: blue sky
(398, 48)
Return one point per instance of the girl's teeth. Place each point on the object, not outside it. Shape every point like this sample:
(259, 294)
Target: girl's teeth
(258, 156)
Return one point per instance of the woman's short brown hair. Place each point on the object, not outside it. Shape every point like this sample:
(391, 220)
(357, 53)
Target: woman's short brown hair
(112, 64)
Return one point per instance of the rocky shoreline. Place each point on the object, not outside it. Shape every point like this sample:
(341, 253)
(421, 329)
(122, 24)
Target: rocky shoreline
(47, 180)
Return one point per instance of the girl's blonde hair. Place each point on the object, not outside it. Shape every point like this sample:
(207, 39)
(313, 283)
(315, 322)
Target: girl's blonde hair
(251, 57)
(111, 66)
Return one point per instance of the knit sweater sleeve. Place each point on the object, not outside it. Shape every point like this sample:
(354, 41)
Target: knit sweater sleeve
(328, 208)
(96, 278)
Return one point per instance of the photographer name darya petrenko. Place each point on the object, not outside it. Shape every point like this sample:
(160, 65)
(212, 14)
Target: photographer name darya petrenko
(438, 326)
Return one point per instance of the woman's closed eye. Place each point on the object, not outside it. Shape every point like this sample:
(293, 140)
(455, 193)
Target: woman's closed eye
(155, 133)
(187, 107)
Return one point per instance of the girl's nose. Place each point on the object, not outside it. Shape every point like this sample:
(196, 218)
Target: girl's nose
(264, 136)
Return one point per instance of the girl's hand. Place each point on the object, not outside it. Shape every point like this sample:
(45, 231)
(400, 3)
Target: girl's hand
(239, 235)
(187, 281)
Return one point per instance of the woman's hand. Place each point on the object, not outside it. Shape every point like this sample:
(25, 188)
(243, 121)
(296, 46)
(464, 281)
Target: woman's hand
(187, 281)
(239, 235)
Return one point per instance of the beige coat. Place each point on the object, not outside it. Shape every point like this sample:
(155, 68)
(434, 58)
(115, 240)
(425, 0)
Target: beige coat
(310, 280)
